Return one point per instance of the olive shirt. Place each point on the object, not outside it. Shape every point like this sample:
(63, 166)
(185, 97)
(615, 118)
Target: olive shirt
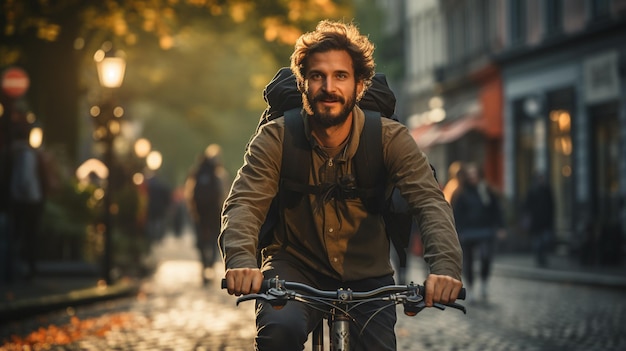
(341, 239)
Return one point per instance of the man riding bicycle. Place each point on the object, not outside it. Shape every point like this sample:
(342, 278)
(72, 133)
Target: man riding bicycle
(328, 241)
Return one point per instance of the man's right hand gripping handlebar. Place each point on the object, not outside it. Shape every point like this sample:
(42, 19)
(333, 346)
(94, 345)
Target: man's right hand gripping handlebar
(243, 281)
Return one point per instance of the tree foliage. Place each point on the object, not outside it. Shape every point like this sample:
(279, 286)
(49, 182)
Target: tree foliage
(195, 68)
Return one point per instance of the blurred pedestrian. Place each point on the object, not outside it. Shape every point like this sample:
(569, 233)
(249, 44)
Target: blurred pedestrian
(205, 194)
(453, 182)
(27, 191)
(179, 211)
(538, 217)
(479, 220)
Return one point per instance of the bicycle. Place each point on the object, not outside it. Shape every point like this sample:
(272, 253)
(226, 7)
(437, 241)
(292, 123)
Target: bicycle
(337, 304)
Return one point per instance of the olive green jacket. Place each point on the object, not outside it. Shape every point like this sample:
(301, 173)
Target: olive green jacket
(339, 238)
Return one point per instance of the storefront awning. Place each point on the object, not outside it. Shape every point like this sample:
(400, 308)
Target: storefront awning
(434, 134)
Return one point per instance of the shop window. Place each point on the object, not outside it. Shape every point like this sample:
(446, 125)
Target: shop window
(600, 9)
(618, 7)
(535, 23)
(530, 146)
(517, 28)
(574, 15)
(606, 181)
(560, 150)
(553, 17)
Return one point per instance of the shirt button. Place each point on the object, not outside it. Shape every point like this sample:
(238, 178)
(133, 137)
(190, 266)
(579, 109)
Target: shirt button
(330, 230)
(334, 259)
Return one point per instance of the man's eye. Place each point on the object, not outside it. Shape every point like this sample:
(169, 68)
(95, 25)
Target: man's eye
(315, 76)
(342, 76)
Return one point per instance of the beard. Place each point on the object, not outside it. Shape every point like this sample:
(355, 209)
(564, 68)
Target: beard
(322, 114)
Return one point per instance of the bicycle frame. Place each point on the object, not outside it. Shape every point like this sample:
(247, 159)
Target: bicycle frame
(336, 305)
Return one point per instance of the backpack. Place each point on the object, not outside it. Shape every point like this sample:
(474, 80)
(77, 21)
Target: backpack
(284, 99)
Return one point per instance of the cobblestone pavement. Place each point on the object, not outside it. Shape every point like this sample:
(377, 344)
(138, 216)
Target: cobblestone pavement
(175, 312)
(523, 315)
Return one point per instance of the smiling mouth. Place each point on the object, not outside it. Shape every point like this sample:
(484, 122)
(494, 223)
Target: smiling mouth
(328, 101)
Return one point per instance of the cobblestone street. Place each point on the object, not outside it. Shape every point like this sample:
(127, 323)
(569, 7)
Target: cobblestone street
(523, 315)
(175, 312)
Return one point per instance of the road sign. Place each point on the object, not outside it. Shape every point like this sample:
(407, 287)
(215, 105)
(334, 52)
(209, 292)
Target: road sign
(15, 82)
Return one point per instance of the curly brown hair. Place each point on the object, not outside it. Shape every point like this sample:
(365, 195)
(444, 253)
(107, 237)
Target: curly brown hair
(335, 35)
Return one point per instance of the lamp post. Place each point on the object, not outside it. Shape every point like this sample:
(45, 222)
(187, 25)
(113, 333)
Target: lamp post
(111, 67)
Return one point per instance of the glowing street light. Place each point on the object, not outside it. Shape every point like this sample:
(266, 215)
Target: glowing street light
(111, 69)
(154, 160)
(35, 138)
(142, 147)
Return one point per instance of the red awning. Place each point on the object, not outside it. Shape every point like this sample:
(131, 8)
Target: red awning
(434, 134)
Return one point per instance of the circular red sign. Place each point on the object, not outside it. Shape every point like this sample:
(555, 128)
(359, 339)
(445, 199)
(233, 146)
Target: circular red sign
(15, 82)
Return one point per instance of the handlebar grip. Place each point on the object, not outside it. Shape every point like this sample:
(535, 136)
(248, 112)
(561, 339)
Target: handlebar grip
(266, 285)
(462, 294)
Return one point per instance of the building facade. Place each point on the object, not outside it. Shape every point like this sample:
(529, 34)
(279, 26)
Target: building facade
(564, 112)
(525, 87)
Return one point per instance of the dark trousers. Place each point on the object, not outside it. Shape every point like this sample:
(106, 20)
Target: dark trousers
(289, 327)
(484, 248)
(206, 242)
(540, 244)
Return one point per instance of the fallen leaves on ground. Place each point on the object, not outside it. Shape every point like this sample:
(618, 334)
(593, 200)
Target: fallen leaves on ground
(45, 337)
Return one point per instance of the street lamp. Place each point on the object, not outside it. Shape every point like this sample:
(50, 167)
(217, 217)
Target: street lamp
(111, 67)
(154, 160)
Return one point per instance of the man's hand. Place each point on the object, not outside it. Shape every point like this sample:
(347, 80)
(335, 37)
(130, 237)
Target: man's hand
(242, 281)
(441, 289)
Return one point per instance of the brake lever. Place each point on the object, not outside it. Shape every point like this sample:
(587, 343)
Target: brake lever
(453, 305)
(458, 307)
(249, 297)
(276, 297)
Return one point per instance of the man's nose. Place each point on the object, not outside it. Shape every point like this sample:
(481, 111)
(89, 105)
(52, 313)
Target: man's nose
(328, 84)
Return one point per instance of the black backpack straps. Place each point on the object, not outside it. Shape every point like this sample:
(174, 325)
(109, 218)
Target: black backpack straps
(369, 167)
(369, 157)
(296, 161)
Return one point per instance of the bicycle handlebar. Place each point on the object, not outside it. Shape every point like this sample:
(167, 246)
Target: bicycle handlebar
(383, 290)
(279, 291)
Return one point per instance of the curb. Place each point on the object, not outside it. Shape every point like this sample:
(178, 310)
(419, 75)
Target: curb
(553, 275)
(19, 309)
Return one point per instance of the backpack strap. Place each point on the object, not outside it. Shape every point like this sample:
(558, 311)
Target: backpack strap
(369, 157)
(296, 164)
(369, 166)
(296, 161)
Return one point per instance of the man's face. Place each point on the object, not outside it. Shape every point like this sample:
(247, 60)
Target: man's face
(331, 87)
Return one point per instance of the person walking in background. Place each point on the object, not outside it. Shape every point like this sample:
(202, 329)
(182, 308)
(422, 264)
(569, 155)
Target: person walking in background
(479, 220)
(453, 182)
(538, 217)
(205, 196)
(28, 189)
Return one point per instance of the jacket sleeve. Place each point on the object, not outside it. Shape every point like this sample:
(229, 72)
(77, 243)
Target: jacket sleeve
(254, 187)
(410, 170)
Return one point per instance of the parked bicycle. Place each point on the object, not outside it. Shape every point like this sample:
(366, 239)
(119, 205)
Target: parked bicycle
(337, 305)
